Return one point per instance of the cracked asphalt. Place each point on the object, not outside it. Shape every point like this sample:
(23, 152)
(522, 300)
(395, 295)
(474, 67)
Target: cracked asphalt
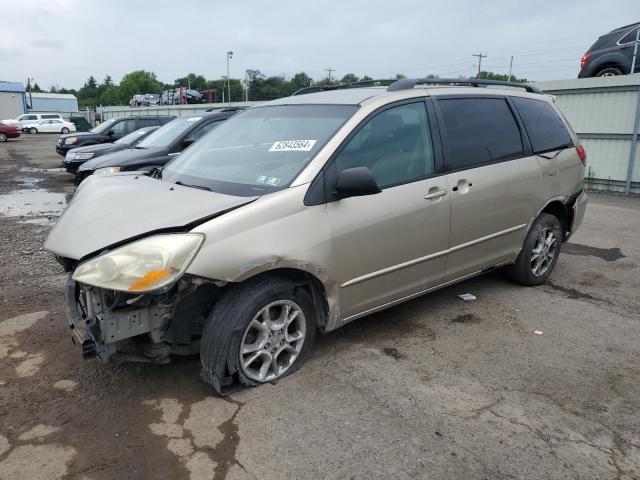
(434, 388)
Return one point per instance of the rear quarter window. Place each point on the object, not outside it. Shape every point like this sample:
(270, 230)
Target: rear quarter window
(546, 130)
(479, 131)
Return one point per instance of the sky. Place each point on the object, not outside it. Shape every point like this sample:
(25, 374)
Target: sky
(63, 42)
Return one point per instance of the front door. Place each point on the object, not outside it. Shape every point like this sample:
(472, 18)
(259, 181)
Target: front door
(390, 245)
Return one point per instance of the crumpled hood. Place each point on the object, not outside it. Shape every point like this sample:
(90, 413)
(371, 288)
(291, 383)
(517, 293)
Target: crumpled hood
(110, 209)
(121, 158)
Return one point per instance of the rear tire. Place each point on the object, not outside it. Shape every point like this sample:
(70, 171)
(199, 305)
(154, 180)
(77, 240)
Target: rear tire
(609, 72)
(3, 137)
(33, 130)
(270, 318)
(64, 130)
(539, 253)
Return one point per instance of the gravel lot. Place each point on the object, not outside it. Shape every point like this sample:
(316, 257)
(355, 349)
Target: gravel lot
(435, 388)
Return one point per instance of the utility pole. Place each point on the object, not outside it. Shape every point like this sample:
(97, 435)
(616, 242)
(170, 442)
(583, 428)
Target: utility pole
(229, 56)
(329, 71)
(480, 57)
(510, 67)
(29, 82)
(635, 51)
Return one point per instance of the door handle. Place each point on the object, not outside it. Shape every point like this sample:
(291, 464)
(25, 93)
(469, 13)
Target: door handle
(436, 194)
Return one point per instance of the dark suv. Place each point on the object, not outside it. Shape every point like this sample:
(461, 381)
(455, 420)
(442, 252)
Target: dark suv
(612, 54)
(108, 132)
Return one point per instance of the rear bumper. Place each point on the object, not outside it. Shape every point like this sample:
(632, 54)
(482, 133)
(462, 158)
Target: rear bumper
(578, 208)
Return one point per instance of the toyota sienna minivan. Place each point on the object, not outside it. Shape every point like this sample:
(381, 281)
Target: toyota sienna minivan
(300, 215)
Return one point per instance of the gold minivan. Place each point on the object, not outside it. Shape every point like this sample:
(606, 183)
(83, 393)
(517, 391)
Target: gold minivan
(302, 214)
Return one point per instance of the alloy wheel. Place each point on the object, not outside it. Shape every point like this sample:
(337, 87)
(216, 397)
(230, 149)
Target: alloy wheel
(272, 341)
(3, 137)
(544, 251)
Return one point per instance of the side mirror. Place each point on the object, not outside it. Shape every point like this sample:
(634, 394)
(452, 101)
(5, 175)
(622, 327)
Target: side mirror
(110, 133)
(356, 182)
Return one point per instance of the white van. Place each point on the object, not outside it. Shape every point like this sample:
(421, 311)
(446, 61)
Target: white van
(29, 118)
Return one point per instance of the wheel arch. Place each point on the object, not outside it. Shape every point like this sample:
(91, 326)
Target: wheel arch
(302, 278)
(557, 207)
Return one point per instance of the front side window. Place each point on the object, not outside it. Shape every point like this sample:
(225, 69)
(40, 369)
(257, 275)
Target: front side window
(124, 127)
(259, 150)
(395, 146)
(169, 133)
(50, 116)
(479, 131)
(103, 127)
(200, 132)
(546, 130)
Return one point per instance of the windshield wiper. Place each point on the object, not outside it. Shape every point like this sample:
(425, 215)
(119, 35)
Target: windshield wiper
(140, 148)
(201, 187)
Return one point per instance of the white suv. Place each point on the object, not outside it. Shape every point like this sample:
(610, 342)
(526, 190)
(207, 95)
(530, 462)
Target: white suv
(29, 118)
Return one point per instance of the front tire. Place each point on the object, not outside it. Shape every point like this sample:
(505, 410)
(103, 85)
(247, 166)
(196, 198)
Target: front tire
(609, 72)
(3, 137)
(258, 332)
(33, 130)
(64, 130)
(539, 253)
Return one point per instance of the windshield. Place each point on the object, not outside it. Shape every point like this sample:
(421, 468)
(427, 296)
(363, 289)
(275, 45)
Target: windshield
(103, 127)
(133, 137)
(167, 134)
(260, 150)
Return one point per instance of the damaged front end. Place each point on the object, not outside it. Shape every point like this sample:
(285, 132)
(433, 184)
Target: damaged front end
(113, 325)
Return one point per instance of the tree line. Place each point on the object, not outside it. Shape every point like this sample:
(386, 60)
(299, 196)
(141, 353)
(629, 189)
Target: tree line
(256, 85)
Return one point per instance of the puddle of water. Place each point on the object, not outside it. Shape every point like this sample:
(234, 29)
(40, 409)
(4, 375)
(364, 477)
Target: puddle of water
(34, 169)
(32, 203)
(28, 182)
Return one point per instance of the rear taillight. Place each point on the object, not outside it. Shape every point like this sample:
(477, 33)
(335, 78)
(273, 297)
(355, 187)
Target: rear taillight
(584, 60)
(582, 153)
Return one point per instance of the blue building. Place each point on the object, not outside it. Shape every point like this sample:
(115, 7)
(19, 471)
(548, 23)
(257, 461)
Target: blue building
(52, 102)
(13, 101)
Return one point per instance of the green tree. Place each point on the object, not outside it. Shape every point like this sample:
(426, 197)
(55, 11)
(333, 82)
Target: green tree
(197, 82)
(400, 76)
(500, 76)
(138, 82)
(350, 78)
(36, 88)
(301, 80)
(107, 82)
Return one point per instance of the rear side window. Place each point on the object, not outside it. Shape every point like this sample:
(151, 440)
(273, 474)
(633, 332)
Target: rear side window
(479, 131)
(50, 116)
(629, 37)
(147, 122)
(544, 127)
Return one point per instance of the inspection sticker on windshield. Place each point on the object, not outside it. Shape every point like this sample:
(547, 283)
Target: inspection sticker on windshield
(292, 146)
(273, 181)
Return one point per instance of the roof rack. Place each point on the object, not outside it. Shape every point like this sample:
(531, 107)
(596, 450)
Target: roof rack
(409, 83)
(325, 88)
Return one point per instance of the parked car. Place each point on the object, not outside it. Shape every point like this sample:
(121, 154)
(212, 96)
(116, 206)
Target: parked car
(30, 118)
(612, 54)
(108, 132)
(151, 100)
(158, 148)
(305, 213)
(136, 101)
(77, 156)
(193, 96)
(50, 126)
(8, 131)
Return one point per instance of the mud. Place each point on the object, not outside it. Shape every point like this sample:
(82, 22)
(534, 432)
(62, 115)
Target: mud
(607, 254)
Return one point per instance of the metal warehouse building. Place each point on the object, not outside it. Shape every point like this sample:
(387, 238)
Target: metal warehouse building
(13, 101)
(52, 102)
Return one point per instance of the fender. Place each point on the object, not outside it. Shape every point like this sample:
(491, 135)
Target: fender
(611, 58)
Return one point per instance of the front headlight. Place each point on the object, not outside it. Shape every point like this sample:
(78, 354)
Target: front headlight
(106, 170)
(71, 140)
(82, 156)
(150, 264)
